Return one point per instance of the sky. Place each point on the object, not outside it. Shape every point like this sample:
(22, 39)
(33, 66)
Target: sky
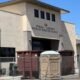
(3, 0)
(72, 5)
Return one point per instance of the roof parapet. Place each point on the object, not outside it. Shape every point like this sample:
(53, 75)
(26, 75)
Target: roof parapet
(45, 5)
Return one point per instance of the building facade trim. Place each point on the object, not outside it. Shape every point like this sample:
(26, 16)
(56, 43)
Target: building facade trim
(39, 3)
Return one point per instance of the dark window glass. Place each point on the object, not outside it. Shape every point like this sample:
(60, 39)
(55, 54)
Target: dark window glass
(7, 52)
(53, 17)
(36, 13)
(36, 45)
(42, 15)
(48, 16)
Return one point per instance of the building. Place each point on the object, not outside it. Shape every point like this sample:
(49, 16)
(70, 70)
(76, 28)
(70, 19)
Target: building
(78, 51)
(33, 25)
(78, 44)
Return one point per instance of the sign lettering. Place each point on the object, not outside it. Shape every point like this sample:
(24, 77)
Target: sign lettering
(45, 29)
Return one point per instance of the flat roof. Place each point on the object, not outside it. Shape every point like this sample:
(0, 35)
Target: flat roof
(36, 2)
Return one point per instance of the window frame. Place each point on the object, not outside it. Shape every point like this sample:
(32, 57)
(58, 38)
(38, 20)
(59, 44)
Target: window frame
(42, 14)
(36, 13)
(53, 17)
(48, 16)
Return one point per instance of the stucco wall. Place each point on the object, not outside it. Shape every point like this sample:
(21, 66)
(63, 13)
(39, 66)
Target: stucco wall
(69, 36)
(69, 40)
(33, 22)
(11, 31)
(18, 8)
(29, 21)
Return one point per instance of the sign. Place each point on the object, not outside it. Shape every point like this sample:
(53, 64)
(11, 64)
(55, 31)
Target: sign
(44, 28)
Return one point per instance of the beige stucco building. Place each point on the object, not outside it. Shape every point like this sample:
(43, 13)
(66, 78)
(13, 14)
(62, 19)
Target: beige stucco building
(33, 25)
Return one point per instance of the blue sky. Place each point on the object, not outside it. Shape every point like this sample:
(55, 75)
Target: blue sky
(3, 0)
(72, 5)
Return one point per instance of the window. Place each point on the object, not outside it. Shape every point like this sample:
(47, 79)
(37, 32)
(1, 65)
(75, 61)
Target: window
(48, 16)
(42, 15)
(7, 54)
(53, 17)
(36, 13)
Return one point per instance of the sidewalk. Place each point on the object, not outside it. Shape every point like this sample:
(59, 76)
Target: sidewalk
(71, 77)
